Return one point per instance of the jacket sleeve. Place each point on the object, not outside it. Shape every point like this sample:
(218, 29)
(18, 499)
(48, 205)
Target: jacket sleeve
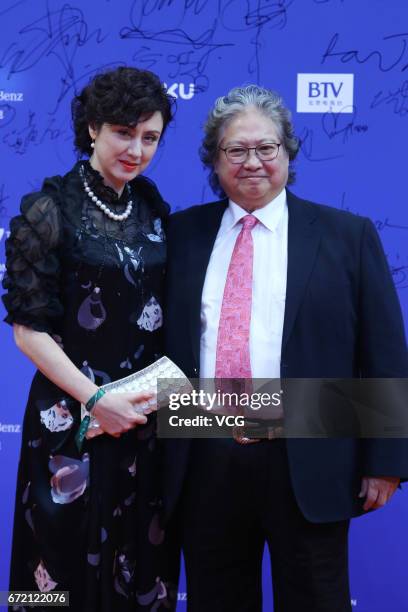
(383, 355)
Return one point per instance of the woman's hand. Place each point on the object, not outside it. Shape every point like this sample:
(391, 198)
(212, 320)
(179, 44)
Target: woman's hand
(116, 413)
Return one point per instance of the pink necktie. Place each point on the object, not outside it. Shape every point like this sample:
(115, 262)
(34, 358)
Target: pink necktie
(233, 358)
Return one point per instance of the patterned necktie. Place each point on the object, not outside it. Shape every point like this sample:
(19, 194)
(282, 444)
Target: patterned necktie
(233, 358)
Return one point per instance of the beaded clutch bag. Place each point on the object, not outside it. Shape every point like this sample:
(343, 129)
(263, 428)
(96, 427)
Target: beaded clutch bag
(172, 380)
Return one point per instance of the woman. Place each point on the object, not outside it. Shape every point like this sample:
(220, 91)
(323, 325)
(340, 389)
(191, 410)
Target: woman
(85, 264)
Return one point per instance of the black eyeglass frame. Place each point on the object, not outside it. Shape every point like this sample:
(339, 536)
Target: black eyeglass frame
(248, 149)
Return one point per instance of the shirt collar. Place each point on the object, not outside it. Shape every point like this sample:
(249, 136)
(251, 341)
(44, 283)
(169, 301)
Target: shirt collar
(269, 215)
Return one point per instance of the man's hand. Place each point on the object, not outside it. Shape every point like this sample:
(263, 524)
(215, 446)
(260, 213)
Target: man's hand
(378, 491)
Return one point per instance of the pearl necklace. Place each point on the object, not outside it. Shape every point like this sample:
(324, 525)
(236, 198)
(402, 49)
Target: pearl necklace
(104, 207)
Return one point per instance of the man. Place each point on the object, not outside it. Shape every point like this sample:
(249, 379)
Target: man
(313, 298)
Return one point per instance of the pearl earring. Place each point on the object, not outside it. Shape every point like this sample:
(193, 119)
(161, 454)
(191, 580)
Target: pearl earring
(92, 145)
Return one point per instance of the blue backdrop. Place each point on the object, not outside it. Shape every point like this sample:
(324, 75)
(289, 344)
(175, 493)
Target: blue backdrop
(350, 106)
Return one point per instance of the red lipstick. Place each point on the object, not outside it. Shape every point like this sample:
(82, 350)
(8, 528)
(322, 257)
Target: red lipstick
(128, 166)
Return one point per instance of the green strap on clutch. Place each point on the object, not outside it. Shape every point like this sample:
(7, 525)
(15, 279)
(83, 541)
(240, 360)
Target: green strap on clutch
(83, 428)
(81, 433)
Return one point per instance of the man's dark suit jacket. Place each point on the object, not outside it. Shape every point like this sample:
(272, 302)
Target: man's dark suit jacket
(342, 319)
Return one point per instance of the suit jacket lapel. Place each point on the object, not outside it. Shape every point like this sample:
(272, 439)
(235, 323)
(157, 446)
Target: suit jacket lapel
(202, 238)
(303, 241)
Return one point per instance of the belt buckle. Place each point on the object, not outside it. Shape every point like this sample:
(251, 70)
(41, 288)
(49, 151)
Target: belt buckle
(238, 432)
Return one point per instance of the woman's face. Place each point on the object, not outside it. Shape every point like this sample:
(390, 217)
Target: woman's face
(121, 153)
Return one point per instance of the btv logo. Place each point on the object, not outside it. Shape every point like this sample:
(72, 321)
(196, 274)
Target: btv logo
(315, 89)
(319, 93)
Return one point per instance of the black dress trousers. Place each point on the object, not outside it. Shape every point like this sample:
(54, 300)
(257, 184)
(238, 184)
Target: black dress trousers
(237, 498)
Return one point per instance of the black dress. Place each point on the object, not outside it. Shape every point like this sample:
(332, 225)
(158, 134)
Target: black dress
(87, 522)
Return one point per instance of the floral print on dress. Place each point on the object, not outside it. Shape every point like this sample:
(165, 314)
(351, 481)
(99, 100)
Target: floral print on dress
(134, 266)
(158, 236)
(119, 251)
(132, 468)
(126, 364)
(35, 443)
(93, 374)
(152, 316)
(158, 592)
(134, 256)
(26, 494)
(92, 312)
(57, 418)
(44, 581)
(131, 499)
(27, 512)
(94, 559)
(29, 518)
(124, 572)
(70, 478)
(126, 568)
(139, 351)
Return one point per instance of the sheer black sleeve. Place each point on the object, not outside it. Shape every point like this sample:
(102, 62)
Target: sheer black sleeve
(33, 264)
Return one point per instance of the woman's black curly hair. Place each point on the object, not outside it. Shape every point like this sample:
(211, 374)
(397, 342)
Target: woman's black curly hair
(118, 97)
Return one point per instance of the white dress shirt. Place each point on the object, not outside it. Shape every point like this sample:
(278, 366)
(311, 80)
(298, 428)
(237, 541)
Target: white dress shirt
(270, 238)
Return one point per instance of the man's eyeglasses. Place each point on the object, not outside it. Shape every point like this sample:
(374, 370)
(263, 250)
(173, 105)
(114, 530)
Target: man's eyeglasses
(265, 152)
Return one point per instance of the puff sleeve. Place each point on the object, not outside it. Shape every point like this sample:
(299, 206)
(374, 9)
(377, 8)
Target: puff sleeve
(32, 278)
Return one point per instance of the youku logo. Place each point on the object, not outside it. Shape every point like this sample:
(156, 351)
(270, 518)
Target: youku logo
(319, 93)
(180, 90)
